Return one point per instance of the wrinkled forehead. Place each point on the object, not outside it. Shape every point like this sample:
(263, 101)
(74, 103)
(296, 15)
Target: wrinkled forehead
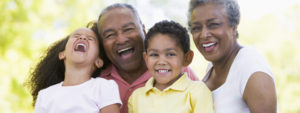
(208, 11)
(118, 14)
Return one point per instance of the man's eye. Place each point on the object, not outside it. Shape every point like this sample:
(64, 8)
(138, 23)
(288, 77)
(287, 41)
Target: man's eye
(128, 29)
(109, 35)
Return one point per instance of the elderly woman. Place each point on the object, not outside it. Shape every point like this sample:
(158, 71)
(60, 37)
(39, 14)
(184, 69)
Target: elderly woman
(239, 77)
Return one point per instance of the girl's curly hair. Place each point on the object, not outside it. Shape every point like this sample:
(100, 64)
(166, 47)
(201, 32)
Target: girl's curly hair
(50, 69)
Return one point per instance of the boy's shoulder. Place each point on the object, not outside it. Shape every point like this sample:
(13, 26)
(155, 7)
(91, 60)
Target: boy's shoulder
(140, 91)
(198, 87)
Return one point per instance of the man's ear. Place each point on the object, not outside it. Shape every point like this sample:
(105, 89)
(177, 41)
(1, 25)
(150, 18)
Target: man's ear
(99, 63)
(143, 27)
(61, 55)
(145, 57)
(188, 58)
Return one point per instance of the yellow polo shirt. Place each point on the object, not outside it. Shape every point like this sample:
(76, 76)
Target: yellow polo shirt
(183, 96)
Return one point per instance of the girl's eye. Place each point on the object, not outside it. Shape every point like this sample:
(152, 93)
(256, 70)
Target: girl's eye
(76, 36)
(91, 38)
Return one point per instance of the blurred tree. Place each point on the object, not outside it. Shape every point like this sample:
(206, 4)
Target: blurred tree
(27, 28)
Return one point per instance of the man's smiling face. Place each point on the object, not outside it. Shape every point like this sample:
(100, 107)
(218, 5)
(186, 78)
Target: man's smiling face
(122, 36)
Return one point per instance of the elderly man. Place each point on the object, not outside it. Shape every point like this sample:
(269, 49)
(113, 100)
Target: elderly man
(122, 34)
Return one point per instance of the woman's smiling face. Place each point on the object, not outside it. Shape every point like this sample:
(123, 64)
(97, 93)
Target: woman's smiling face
(212, 33)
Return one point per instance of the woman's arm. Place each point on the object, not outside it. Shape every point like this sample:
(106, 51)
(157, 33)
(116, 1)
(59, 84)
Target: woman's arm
(113, 108)
(260, 93)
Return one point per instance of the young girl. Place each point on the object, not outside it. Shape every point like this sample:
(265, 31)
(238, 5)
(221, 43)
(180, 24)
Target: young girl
(62, 81)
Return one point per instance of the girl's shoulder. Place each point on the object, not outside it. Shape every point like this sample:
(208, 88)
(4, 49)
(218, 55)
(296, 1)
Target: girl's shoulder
(104, 83)
(50, 90)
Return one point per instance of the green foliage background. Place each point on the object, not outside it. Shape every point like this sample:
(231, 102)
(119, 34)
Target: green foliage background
(28, 27)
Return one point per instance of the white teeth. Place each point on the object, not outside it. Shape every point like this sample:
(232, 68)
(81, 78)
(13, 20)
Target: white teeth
(163, 71)
(207, 45)
(80, 44)
(125, 49)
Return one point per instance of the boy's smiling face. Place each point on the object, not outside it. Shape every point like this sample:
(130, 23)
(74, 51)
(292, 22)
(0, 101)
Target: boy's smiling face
(164, 59)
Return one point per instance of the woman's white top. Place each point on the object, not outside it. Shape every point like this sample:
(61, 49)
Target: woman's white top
(88, 97)
(228, 98)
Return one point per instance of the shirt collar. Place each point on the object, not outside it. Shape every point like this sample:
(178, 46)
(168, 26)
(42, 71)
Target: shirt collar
(107, 71)
(179, 85)
(111, 71)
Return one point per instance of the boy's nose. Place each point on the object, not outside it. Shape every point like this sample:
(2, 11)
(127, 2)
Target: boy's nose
(161, 61)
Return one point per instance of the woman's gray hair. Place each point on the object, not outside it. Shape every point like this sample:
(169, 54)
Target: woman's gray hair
(231, 7)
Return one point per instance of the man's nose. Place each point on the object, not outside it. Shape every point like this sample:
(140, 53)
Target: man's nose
(121, 39)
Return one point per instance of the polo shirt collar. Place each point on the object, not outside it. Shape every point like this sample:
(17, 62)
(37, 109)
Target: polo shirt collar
(179, 85)
(112, 71)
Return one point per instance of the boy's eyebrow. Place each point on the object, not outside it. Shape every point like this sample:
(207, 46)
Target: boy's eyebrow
(169, 49)
(155, 50)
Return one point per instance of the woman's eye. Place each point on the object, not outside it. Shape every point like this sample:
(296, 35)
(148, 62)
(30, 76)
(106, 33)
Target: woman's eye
(213, 25)
(196, 29)
(153, 54)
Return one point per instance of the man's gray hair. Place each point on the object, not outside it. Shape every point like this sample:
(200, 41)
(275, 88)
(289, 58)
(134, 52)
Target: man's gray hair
(231, 7)
(120, 5)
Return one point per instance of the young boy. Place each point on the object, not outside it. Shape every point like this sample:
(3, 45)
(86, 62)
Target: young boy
(167, 52)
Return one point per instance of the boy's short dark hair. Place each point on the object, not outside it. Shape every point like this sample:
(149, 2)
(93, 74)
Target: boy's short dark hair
(173, 30)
